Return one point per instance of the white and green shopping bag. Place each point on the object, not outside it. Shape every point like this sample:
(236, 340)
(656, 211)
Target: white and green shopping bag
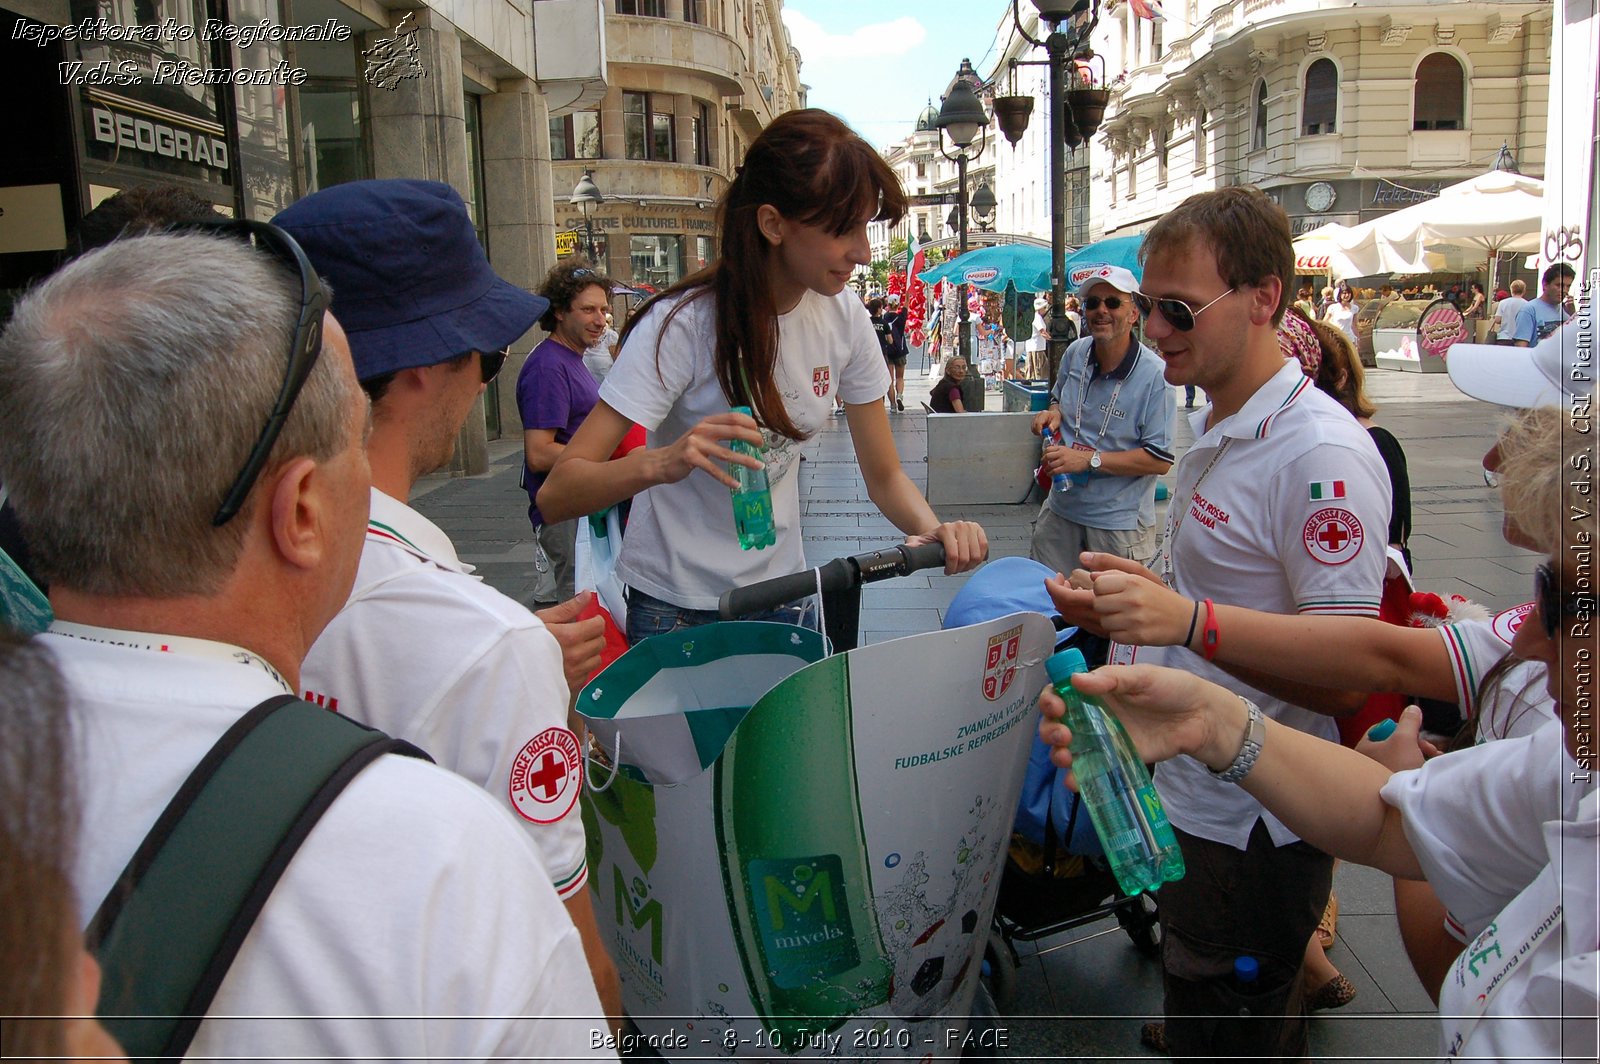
(801, 856)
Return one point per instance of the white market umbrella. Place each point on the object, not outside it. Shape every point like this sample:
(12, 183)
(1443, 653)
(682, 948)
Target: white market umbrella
(1493, 213)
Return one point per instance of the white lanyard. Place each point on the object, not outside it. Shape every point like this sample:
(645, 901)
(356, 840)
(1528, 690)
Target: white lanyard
(1484, 967)
(1083, 395)
(1175, 515)
(167, 644)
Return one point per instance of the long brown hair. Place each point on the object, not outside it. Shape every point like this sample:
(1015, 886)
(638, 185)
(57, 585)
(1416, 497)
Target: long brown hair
(38, 827)
(812, 169)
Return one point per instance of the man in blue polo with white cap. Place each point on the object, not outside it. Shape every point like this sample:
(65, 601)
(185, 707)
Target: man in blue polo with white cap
(423, 649)
(1111, 414)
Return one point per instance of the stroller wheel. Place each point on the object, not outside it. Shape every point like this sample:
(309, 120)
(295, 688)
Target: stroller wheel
(1000, 963)
(1138, 918)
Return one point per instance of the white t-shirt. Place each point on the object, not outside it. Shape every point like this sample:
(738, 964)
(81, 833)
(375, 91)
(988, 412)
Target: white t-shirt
(1039, 340)
(1291, 519)
(1507, 836)
(415, 919)
(597, 359)
(1342, 318)
(431, 654)
(1519, 704)
(681, 546)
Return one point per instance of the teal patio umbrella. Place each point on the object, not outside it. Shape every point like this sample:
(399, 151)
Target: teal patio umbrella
(1025, 266)
(1120, 251)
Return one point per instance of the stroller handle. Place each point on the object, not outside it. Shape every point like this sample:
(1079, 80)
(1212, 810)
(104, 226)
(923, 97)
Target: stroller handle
(841, 574)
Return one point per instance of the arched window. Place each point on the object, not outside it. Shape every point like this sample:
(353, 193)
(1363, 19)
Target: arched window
(1258, 138)
(1321, 99)
(1440, 97)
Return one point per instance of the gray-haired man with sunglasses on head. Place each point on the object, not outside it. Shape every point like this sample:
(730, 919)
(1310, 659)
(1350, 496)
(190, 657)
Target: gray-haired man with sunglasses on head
(196, 544)
(1112, 415)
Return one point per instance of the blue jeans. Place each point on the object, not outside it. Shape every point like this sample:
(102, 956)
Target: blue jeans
(648, 616)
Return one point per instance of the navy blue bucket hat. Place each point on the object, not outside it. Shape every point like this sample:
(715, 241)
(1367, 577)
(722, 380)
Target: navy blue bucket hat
(411, 284)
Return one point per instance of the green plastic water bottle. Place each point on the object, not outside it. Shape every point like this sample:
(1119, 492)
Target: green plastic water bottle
(1116, 787)
(794, 860)
(752, 498)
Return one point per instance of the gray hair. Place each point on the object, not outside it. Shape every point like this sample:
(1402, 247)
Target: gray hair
(133, 383)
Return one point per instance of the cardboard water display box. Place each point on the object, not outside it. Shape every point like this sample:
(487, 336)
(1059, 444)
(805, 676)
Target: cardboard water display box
(799, 855)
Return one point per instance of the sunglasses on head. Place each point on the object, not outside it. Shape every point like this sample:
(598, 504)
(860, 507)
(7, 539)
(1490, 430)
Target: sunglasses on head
(1553, 605)
(1111, 302)
(491, 361)
(303, 350)
(1179, 314)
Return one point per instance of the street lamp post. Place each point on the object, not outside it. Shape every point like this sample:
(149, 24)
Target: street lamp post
(1071, 22)
(962, 118)
(587, 194)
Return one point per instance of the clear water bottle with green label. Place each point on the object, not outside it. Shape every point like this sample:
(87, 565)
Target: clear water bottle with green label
(752, 498)
(794, 860)
(1116, 787)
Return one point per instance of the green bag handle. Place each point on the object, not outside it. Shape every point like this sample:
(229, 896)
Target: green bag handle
(169, 929)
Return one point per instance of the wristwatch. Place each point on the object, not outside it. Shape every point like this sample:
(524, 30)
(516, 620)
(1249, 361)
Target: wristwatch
(1094, 460)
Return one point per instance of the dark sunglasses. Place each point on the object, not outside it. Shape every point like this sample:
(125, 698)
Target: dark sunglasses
(1179, 315)
(1111, 302)
(491, 361)
(303, 352)
(1553, 605)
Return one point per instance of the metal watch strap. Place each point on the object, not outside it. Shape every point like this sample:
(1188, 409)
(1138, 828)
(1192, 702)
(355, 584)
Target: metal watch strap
(1250, 749)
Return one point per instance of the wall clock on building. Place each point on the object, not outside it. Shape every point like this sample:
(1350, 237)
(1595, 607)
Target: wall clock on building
(1319, 196)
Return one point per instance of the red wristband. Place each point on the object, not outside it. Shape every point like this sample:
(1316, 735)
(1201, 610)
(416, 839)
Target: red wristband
(1210, 637)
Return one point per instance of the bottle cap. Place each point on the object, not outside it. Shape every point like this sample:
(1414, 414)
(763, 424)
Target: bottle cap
(745, 410)
(1064, 663)
(1245, 969)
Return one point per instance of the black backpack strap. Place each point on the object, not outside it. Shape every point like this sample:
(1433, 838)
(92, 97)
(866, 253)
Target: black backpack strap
(169, 929)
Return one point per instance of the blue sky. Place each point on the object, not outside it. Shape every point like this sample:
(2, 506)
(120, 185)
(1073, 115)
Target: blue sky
(876, 64)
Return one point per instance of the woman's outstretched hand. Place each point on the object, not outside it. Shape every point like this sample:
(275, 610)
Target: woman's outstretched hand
(705, 447)
(966, 544)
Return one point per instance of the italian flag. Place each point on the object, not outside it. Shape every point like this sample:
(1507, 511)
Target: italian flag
(1323, 490)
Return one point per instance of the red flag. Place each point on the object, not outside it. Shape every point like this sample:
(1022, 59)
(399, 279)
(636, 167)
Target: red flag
(1150, 9)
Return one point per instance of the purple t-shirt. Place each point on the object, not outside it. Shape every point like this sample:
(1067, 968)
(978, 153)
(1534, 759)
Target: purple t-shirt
(554, 391)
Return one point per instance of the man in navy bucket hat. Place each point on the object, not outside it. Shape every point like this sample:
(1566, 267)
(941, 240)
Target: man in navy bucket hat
(423, 649)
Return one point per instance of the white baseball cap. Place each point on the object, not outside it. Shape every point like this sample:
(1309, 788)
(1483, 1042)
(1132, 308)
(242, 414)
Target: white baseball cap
(1115, 276)
(894, 298)
(1550, 373)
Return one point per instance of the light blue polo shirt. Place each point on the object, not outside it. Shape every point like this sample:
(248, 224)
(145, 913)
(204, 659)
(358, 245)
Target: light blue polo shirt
(1140, 416)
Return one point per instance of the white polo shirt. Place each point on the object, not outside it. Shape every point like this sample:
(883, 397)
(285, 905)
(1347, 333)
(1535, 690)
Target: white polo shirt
(1291, 518)
(431, 654)
(1519, 703)
(414, 920)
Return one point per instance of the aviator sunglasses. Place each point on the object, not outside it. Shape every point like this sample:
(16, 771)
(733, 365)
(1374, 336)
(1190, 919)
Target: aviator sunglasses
(303, 349)
(491, 361)
(1111, 302)
(1179, 315)
(1553, 605)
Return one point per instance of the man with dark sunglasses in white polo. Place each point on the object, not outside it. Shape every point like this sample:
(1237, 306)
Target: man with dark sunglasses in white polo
(1111, 417)
(1280, 505)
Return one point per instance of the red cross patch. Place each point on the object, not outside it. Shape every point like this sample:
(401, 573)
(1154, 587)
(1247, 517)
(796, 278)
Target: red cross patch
(819, 381)
(1507, 622)
(1333, 536)
(547, 776)
(1000, 663)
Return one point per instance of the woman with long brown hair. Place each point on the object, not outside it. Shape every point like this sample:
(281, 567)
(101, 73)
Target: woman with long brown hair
(769, 325)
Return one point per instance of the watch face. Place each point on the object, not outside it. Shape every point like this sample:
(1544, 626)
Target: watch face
(1320, 196)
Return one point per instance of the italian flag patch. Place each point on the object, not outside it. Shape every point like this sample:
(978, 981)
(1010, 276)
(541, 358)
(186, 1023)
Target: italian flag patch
(1323, 490)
